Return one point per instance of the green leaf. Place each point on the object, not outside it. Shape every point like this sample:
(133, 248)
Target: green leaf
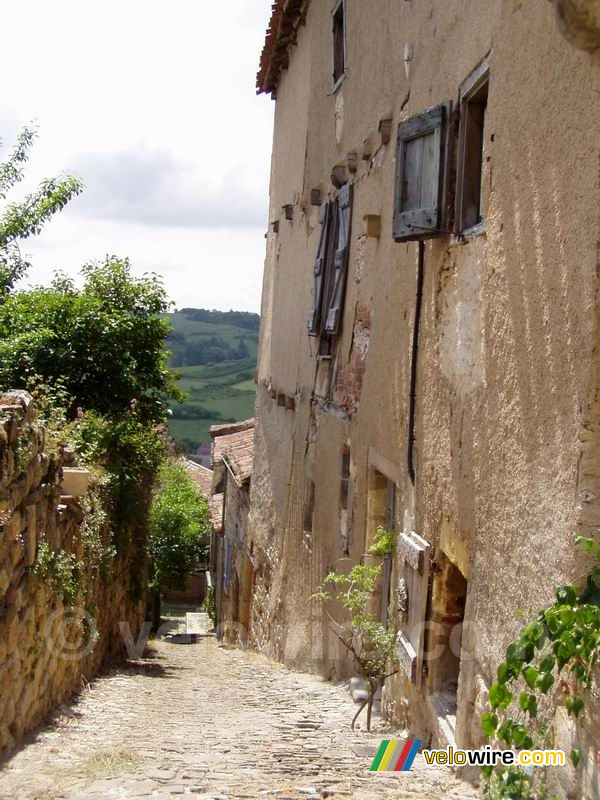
(545, 682)
(566, 595)
(500, 697)
(531, 675)
(521, 737)
(547, 663)
(575, 757)
(532, 706)
(575, 706)
(505, 732)
(505, 673)
(489, 723)
(524, 700)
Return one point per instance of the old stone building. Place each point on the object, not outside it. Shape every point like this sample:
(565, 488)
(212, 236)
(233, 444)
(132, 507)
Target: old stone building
(232, 554)
(429, 343)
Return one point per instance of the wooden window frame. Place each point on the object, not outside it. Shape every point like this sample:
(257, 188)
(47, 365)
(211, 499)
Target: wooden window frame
(339, 9)
(426, 222)
(468, 152)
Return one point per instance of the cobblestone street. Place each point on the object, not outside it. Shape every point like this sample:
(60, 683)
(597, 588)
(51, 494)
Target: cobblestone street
(199, 720)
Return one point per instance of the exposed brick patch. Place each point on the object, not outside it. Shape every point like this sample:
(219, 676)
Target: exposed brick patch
(350, 377)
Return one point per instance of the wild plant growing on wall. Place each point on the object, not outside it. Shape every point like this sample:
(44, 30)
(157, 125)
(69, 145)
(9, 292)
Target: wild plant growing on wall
(553, 662)
(372, 644)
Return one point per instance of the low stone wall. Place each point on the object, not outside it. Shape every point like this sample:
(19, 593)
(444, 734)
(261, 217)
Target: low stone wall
(46, 651)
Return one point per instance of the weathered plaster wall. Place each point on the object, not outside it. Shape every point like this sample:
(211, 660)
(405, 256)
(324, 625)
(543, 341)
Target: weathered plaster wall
(506, 438)
(38, 670)
(232, 626)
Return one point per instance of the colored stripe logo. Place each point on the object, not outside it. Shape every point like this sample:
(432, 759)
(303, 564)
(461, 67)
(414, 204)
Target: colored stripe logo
(395, 755)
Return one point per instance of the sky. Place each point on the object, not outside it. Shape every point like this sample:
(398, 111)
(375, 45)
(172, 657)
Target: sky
(154, 105)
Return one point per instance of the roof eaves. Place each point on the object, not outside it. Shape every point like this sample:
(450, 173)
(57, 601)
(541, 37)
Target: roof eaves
(286, 17)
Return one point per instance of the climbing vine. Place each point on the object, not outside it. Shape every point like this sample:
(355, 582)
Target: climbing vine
(372, 644)
(61, 570)
(553, 661)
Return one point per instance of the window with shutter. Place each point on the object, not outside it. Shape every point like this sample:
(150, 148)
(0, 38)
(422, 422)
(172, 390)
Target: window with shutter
(314, 317)
(339, 43)
(343, 208)
(413, 587)
(421, 159)
(331, 268)
(473, 104)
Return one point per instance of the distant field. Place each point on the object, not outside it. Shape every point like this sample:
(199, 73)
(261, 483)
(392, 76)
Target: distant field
(222, 390)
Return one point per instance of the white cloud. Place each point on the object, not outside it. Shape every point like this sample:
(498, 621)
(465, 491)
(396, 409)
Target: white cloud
(155, 104)
(151, 187)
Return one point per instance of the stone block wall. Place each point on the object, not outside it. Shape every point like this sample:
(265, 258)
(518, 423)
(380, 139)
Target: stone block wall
(46, 651)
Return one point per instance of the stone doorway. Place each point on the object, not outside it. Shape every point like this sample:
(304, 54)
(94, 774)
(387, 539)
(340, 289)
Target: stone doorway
(444, 645)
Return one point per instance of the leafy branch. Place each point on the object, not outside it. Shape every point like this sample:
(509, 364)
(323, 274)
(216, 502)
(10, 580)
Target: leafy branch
(371, 643)
(25, 218)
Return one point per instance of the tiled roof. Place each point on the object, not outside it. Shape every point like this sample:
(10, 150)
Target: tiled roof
(286, 17)
(203, 478)
(234, 444)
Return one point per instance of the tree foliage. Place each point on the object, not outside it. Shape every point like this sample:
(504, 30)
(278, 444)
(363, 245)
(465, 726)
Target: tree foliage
(19, 220)
(179, 525)
(104, 343)
(371, 643)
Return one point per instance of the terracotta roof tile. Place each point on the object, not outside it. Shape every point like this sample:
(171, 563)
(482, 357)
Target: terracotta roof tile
(234, 444)
(203, 479)
(286, 18)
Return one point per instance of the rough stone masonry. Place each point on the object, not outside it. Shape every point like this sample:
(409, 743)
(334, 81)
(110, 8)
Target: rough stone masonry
(38, 641)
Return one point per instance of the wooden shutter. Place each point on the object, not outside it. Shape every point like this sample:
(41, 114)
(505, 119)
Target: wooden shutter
(314, 317)
(421, 174)
(414, 570)
(340, 260)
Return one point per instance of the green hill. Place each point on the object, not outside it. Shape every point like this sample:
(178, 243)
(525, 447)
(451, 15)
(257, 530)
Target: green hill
(215, 354)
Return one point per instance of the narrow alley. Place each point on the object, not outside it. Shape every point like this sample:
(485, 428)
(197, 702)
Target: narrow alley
(195, 719)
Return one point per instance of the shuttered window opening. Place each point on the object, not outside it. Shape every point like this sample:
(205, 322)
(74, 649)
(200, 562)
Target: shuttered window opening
(314, 316)
(331, 269)
(421, 174)
(469, 193)
(339, 43)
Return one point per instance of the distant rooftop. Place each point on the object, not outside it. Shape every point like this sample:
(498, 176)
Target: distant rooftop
(203, 479)
(234, 445)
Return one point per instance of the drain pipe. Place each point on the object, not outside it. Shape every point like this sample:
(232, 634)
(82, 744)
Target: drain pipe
(414, 364)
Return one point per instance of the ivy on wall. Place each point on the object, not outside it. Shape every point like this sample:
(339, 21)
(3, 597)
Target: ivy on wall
(554, 661)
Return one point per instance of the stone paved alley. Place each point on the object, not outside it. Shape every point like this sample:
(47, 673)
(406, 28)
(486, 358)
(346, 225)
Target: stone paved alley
(198, 720)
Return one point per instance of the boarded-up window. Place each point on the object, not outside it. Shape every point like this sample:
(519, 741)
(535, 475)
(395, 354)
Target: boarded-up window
(413, 586)
(339, 42)
(421, 174)
(473, 104)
